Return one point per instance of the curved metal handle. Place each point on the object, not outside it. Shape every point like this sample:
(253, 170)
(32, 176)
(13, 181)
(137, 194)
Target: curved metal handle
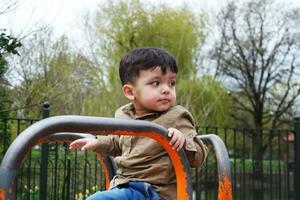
(223, 162)
(97, 126)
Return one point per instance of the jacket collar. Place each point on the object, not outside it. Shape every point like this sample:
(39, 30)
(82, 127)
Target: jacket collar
(130, 110)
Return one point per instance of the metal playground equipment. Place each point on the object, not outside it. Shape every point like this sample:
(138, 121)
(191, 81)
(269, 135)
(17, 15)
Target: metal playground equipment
(69, 128)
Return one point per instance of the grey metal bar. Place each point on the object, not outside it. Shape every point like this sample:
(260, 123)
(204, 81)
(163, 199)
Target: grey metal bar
(223, 162)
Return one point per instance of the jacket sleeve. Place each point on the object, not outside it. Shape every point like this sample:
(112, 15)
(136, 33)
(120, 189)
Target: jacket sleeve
(195, 149)
(109, 144)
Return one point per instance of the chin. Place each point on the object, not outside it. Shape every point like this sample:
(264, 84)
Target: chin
(163, 109)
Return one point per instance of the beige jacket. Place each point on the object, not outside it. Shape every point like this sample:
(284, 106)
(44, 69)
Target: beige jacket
(143, 159)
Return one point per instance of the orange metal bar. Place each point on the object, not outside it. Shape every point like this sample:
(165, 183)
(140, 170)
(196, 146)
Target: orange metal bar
(42, 132)
(179, 167)
(106, 170)
(2, 194)
(39, 131)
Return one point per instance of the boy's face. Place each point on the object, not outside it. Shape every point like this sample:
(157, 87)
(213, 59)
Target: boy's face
(153, 91)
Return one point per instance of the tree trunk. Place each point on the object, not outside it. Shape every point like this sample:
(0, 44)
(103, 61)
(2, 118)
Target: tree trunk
(258, 175)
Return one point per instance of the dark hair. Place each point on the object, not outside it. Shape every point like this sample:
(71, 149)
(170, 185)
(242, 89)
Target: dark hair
(144, 59)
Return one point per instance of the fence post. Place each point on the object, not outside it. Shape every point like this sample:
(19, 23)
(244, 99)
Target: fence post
(44, 158)
(297, 155)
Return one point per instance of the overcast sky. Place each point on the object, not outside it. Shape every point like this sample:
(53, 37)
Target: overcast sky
(64, 15)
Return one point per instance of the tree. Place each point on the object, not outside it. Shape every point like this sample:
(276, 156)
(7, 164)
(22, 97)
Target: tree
(207, 100)
(8, 43)
(258, 53)
(120, 26)
(8, 46)
(50, 71)
(8, 5)
(132, 24)
(88, 83)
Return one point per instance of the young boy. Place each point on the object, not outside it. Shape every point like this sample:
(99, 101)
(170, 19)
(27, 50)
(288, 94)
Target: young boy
(145, 171)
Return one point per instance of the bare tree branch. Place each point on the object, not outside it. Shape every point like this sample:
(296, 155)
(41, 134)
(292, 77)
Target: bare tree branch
(257, 50)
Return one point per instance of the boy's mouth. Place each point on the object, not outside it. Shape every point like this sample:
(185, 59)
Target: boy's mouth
(164, 101)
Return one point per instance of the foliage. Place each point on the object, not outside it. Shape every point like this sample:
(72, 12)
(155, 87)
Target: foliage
(8, 46)
(128, 24)
(121, 26)
(5, 101)
(207, 100)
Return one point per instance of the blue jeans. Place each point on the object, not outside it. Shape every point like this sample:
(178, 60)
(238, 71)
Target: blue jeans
(133, 190)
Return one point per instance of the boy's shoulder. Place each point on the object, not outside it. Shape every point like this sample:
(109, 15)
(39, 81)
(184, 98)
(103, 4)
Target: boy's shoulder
(122, 111)
(178, 109)
(177, 114)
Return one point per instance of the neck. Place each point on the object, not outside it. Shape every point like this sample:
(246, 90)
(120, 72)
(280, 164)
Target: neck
(140, 112)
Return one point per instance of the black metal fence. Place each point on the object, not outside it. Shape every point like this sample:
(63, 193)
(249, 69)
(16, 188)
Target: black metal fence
(75, 175)
(277, 178)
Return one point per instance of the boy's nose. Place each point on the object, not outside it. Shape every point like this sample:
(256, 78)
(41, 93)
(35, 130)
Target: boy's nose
(165, 89)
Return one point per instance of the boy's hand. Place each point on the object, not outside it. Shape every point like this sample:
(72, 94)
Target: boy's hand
(177, 138)
(84, 144)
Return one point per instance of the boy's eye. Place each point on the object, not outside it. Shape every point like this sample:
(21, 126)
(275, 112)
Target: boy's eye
(155, 83)
(171, 84)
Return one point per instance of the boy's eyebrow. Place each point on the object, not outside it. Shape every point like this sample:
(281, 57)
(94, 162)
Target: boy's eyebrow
(154, 78)
(159, 77)
(173, 76)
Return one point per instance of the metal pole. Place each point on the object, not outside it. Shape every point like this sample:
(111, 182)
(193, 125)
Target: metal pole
(44, 158)
(297, 155)
(223, 164)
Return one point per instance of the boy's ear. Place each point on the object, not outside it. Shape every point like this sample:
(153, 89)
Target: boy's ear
(128, 91)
